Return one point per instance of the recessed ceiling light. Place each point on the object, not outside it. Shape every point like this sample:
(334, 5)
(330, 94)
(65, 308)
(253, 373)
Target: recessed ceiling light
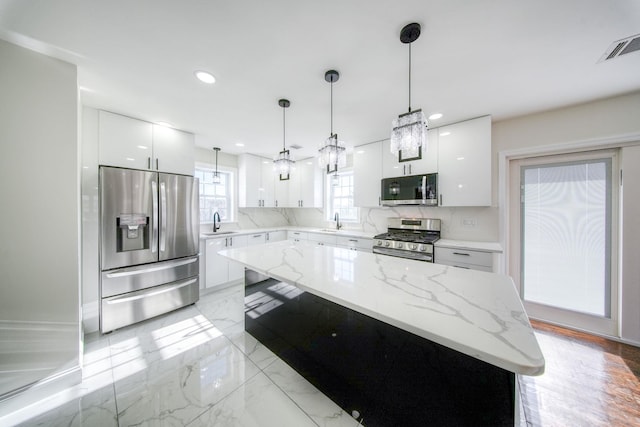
(205, 77)
(239, 144)
(435, 116)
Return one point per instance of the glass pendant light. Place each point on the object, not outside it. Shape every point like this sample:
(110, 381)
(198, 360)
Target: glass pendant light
(283, 162)
(333, 153)
(409, 130)
(216, 175)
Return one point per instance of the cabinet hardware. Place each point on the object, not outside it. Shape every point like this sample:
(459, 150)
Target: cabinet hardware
(459, 266)
(226, 242)
(157, 167)
(441, 199)
(257, 235)
(404, 169)
(276, 203)
(230, 241)
(409, 168)
(148, 162)
(267, 236)
(353, 240)
(461, 253)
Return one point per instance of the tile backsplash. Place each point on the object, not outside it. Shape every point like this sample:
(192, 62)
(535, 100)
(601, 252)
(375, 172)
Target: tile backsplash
(463, 223)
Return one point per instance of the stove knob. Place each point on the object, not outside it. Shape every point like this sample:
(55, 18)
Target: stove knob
(413, 246)
(422, 248)
(387, 244)
(399, 245)
(379, 243)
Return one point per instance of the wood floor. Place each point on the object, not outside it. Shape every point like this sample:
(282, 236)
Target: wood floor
(589, 381)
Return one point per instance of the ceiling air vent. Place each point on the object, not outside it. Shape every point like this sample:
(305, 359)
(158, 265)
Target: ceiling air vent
(295, 146)
(621, 47)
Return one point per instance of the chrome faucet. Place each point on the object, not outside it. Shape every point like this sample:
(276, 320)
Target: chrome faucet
(336, 218)
(216, 224)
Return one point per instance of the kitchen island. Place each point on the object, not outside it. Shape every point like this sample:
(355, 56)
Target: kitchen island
(401, 342)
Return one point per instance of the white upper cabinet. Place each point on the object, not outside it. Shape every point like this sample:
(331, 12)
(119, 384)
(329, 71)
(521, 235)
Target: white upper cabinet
(464, 163)
(131, 143)
(173, 150)
(367, 173)
(392, 167)
(305, 185)
(255, 182)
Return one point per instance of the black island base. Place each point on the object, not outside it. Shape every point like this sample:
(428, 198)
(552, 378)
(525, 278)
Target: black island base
(382, 374)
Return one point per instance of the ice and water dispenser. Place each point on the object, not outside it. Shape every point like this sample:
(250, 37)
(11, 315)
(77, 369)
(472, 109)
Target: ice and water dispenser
(133, 232)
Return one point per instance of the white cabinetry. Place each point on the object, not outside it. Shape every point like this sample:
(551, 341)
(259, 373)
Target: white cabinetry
(219, 270)
(275, 236)
(367, 173)
(355, 243)
(464, 258)
(255, 182)
(464, 163)
(322, 239)
(297, 235)
(306, 185)
(391, 167)
(256, 239)
(131, 143)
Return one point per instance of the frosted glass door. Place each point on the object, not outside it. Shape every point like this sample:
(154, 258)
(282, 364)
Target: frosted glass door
(566, 235)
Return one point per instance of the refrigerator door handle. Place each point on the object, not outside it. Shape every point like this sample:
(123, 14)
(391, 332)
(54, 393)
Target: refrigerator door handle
(150, 294)
(154, 217)
(134, 271)
(163, 216)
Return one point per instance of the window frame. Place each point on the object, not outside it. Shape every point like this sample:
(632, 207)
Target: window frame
(232, 189)
(329, 198)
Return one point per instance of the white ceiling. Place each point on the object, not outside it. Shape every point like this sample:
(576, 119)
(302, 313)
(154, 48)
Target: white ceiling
(500, 57)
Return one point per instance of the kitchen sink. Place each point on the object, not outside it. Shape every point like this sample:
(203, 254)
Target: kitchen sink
(218, 233)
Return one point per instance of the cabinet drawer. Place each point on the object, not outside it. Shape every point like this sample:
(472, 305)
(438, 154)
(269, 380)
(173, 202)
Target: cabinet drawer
(450, 256)
(322, 238)
(355, 243)
(297, 235)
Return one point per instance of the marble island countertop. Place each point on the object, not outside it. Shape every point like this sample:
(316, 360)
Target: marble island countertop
(476, 313)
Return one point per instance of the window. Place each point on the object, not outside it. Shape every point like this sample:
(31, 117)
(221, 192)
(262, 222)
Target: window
(215, 197)
(340, 197)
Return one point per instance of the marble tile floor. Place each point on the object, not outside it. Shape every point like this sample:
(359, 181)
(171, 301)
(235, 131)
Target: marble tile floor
(193, 367)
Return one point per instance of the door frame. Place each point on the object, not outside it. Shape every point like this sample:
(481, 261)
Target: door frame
(576, 320)
(504, 198)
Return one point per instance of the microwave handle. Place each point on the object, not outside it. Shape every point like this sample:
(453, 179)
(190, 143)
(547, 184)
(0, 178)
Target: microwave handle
(424, 187)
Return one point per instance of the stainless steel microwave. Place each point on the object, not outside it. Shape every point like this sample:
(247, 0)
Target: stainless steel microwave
(410, 190)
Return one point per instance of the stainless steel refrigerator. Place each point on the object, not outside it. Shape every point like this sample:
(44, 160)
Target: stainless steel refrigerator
(149, 224)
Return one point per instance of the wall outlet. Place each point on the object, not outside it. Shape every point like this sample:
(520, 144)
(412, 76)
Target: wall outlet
(469, 222)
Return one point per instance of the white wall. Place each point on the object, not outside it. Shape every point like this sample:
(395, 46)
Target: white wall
(39, 226)
(609, 122)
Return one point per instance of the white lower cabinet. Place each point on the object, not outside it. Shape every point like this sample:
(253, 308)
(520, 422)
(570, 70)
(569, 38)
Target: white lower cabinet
(355, 243)
(464, 258)
(297, 235)
(275, 236)
(322, 239)
(219, 270)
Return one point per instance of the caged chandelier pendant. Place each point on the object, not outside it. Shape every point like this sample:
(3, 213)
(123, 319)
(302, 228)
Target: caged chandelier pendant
(409, 130)
(332, 152)
(283, 162)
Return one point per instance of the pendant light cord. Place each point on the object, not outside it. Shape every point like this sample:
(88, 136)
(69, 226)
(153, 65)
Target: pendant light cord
(409, 77)
(284, 128)
(331, 106)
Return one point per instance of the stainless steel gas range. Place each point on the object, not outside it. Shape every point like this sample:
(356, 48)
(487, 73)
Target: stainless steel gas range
(411, 238)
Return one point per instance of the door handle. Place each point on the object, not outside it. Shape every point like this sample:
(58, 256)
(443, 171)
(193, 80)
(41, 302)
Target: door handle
(150, 294)
(154, 216)
(163, 216)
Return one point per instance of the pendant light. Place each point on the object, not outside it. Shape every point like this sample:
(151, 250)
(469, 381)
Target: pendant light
(216, 175)
(333, 153)
(409, 130)
(283, 162)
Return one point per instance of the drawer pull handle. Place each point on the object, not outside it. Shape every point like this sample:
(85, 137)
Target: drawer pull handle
(461, 253)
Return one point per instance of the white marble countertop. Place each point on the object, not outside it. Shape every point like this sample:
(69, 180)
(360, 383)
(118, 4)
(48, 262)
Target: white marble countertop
(471, 245)
(479, 314)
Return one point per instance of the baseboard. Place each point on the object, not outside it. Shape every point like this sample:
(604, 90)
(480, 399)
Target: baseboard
(90, 317)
